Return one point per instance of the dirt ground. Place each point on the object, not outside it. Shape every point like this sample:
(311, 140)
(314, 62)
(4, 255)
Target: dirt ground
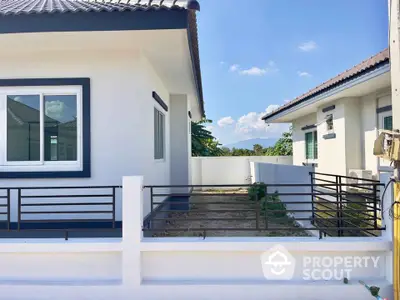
(237, 207)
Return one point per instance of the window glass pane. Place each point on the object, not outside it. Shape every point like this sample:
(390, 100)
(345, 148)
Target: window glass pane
(309, 149)
(387, 123)
(155, 133)
(60, 128)
(315, 145)
(158, 134)
(311, 145)
(23, 128)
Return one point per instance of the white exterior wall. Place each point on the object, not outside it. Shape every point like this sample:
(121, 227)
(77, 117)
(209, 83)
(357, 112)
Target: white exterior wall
(356, 124)
(180, 140)
(229, 169)
(122, 113)
(353, 133)
(368, 132)
(332, 152)
(299, 146)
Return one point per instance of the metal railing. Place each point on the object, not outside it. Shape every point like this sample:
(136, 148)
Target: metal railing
(357, 203)
(276, 209)
(62, 208)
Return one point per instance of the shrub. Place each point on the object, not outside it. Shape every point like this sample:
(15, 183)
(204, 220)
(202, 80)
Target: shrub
(257, 191)
(272, 205)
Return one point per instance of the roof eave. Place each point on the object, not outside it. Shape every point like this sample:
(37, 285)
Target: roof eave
(115, 21)
(365, 75)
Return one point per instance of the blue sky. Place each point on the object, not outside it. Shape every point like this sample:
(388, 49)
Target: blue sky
(256, 54)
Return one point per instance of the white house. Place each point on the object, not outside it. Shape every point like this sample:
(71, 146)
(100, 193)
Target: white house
(336, 123)
(91, 91)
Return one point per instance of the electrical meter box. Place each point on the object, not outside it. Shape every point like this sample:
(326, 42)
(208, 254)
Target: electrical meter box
(387, 145)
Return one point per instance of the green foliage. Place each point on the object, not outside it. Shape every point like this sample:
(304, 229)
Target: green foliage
(203, 142)
(257, 191)
(272, 205)
(258, 150)
(282, 147)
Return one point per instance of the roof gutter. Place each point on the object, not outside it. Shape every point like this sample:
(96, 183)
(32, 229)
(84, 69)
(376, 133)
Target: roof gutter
(350, 82)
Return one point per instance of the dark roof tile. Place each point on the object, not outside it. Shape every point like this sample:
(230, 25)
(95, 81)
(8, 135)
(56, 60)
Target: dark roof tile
(26, 7)
(15, 7)
(365, 65)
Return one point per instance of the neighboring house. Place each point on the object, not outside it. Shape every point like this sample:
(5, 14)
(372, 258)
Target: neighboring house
(336, 123)
(91, 91)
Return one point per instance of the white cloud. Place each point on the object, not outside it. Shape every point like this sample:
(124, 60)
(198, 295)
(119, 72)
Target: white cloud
(308, 46)
(256, 71)
(248, 126)
(54, 109)
(234, 68)
(303, 74)
(226, 121)
(252, 126)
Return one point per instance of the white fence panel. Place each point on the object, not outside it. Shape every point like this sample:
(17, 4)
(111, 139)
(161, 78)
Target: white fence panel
(272, 174)
(229, 169)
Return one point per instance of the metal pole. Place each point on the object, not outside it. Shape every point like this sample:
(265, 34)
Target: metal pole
(375, 207)
(337, 207)
(340, 206)
(394, 44)
(8, 209)
(113, 207)
(312, 199)
(19, 209)
(257, 212)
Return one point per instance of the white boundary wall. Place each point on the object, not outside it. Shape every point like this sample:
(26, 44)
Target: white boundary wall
(229, 169)
(176, 268)
(272, 174)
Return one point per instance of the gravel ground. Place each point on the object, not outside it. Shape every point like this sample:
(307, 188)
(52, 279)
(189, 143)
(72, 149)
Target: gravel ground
(233, 207)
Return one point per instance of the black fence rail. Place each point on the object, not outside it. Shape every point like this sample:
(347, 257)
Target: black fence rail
(263, 210)
(62, 209)
(5, 207)
(357, 204)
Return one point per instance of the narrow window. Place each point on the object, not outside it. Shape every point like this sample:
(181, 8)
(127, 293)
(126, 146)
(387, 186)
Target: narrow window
(159, 134)
(387, 123)
(311, 140)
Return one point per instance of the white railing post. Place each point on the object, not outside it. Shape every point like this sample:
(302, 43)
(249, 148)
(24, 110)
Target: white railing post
(132, 219)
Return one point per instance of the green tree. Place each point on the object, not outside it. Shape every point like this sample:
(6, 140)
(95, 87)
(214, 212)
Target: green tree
(226, 151)
(203, 142)
(283, 146)
(258, 150)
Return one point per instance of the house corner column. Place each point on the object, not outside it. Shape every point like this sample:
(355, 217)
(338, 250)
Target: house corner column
(180, 141)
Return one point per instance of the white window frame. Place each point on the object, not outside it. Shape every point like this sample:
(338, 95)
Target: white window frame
(382, 117)
(310, 160)
(164, 136)
(41, 165)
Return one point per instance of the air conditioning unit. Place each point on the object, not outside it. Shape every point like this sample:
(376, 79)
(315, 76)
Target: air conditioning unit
(357, 176)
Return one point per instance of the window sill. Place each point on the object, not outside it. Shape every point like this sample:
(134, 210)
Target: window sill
(45, 174)
(160, 161)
